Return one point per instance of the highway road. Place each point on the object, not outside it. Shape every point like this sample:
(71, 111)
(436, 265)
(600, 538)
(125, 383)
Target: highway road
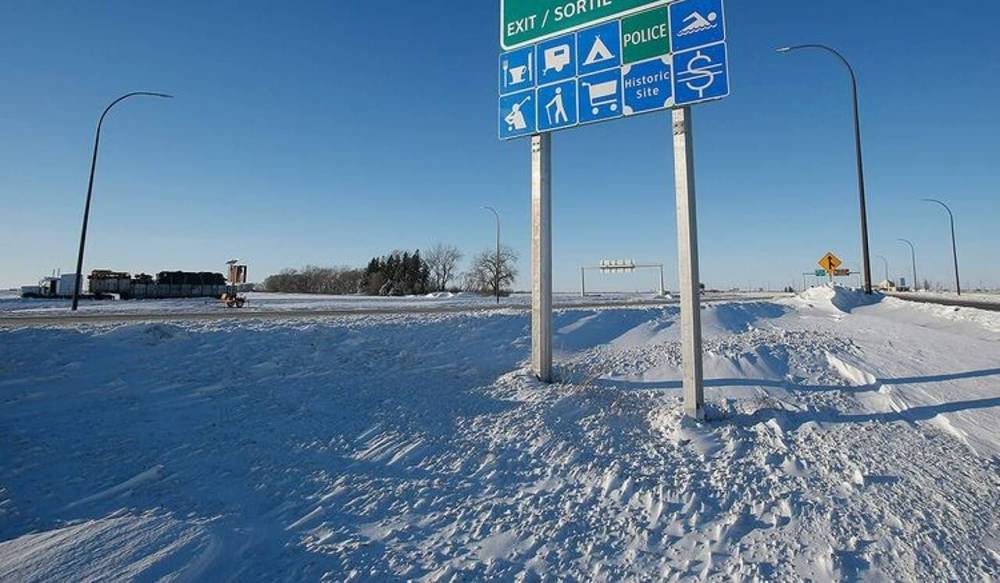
(957, 302)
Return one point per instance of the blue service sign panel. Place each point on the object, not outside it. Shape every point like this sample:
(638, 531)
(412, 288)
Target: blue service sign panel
(580, 78)
(517, 115)
(648, 86)
(601, 96)
(555, 60)
(517, 70)
(557, 106)
(599, 48)
(701, 75)
(696, 23)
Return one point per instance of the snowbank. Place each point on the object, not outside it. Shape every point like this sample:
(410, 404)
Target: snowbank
(839, 297)
(842, 445)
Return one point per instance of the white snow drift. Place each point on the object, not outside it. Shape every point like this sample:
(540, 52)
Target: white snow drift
(847, 440)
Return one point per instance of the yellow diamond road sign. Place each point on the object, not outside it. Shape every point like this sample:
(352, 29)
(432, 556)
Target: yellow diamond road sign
(830, 262)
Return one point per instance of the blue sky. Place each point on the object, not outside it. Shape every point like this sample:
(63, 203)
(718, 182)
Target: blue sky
(329, 132)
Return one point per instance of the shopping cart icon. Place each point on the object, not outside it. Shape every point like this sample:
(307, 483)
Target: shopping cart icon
(601, 94)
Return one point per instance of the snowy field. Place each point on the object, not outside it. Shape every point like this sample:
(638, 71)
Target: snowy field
(12, 304)
(845, 442)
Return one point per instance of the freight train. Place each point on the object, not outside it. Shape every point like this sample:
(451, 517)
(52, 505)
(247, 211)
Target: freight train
(166, 284)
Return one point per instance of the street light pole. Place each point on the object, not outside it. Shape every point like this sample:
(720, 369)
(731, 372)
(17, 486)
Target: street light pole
(858, 153)
(90, 189)
(886, 262)
(496, 272)
(954, 246)
(913, 259)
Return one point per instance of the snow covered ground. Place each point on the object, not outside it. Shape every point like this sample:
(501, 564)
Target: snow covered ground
(258, 301)
(13, 304)
(845, 442)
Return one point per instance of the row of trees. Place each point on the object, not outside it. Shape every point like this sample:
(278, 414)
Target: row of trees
(316, 280)
(396, 274)
(403, 273)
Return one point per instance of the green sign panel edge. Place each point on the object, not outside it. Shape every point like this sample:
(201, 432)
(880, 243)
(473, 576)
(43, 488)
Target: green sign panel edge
(600, 11)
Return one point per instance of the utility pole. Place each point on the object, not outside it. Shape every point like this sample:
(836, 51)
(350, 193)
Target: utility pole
(90, 189)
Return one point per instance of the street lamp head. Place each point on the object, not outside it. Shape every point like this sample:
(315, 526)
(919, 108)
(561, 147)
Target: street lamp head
(148, 94)
(784, 50)
(940, 203)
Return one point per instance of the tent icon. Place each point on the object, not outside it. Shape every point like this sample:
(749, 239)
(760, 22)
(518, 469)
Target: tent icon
(598, 53)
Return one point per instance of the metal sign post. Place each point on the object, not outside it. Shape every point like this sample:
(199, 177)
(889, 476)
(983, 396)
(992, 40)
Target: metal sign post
(569, 64)
(687, 249)
(541, 256)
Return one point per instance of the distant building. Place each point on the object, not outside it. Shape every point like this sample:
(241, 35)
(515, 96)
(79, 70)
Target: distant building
(55, 286)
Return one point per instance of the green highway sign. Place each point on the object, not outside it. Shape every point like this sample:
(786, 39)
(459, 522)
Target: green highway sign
(645, 35)
(523, 22)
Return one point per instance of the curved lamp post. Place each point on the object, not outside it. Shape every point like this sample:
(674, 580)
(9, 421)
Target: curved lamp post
(857, 147)
(496, 272)
(90, 188)
(886, 263)
(913, 260)
(954, 246)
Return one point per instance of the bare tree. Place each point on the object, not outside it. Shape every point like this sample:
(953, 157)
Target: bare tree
(486, 271)
(442, 261)
(315, 280)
